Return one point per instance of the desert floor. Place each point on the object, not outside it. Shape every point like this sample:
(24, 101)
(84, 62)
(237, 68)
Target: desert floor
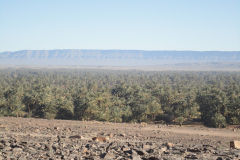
(29, 138)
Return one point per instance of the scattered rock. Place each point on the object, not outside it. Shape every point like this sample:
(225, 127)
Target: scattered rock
(146, 147)
(195, 150)
(110, 135)
(17, 150)
(236, 153)
(55, 147)
(153, 158)
(191, 156)
(75, 136)
(67, 142)
(219, 158)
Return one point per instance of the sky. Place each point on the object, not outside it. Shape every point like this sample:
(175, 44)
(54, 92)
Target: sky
(120, 24)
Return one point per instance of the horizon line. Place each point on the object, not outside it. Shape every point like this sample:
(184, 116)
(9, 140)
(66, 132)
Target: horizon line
(122, 50)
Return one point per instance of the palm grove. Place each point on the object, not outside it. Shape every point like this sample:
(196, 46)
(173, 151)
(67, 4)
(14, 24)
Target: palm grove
(122, 96)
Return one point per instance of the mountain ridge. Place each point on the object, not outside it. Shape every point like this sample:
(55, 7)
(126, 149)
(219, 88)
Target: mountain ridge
(95, 57)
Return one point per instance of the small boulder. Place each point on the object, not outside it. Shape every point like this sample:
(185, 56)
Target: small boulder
(136, 157)
(110, 135)
(140, 152)
(235, 144)
(56, 128)
(143, 124)
(162, 150)
(1, 146)
(101, 139)
(125, 148)
(109, 156)
(146, 147)
(122, 134)
(150, 151)
(169, 145)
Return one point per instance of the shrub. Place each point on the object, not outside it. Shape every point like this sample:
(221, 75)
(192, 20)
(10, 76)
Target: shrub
(179, 120)
(217, 121)
(50, 116)
(64, 113)
(234, 120)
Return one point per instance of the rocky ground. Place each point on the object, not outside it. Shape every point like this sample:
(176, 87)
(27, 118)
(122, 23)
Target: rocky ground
(28, 138)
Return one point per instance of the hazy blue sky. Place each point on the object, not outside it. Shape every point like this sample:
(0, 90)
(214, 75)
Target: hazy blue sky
(120, 24)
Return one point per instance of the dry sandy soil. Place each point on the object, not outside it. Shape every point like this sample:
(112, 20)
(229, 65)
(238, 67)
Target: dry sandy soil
(28, 138)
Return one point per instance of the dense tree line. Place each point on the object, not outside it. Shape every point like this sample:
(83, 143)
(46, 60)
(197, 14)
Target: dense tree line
(121, 96)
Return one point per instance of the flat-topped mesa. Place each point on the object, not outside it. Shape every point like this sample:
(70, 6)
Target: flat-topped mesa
(183, 59)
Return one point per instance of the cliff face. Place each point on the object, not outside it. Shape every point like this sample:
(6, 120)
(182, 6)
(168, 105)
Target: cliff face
(70, 57)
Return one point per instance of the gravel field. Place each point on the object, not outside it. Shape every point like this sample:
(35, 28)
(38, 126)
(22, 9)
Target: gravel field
(29, 138)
